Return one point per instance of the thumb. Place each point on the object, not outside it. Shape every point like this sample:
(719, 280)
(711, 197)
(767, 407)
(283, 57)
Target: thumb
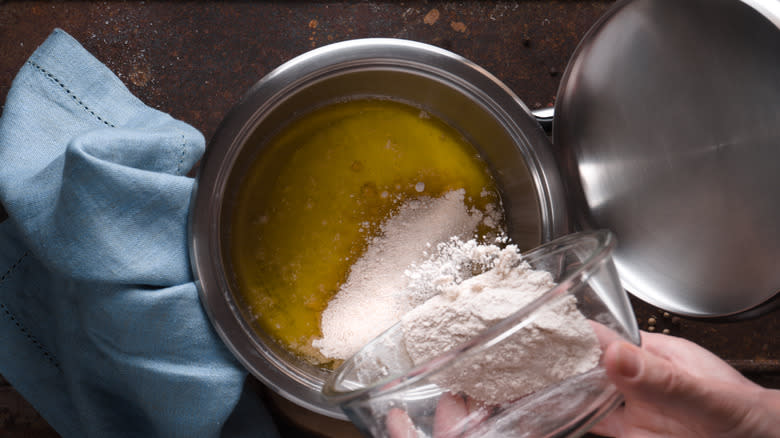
(645, 377)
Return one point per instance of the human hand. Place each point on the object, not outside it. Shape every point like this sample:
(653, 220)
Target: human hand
(675, 388)
(454, 415)
(672, 388)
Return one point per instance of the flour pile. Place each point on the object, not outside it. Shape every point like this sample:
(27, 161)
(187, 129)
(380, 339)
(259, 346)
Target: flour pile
(558, 343)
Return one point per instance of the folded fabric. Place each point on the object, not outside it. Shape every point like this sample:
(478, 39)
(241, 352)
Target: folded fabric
(100, 323)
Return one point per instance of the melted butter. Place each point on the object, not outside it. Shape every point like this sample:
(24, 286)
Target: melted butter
(311, 202)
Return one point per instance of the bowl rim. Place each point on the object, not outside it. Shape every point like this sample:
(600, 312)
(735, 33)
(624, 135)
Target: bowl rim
(605, 244)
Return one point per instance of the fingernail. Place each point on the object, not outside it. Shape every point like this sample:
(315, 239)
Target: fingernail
(628, 363)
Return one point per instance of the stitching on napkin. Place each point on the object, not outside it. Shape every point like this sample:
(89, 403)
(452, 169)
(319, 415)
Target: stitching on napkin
(183, 150)
(18, 324)
(13, 267)
(68, 92)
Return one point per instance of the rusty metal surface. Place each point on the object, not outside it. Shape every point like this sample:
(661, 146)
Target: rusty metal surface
(195, 59)
(752, 345)
(18, 419)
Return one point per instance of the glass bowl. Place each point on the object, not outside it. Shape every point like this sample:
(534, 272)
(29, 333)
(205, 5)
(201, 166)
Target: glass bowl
(385, 394)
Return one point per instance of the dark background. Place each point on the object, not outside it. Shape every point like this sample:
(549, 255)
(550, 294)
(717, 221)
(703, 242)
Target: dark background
(195, 59)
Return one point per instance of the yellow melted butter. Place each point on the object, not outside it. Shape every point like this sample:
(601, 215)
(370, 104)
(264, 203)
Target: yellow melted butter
(312, 201)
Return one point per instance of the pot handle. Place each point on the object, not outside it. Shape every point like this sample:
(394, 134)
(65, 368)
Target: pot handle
(544, 116)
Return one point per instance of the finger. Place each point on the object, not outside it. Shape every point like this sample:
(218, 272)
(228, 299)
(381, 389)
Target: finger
(451, 413)
(478, 412)
(399, 425)
(612, 425)
(699, 361)
(665, 345)
(641, 375)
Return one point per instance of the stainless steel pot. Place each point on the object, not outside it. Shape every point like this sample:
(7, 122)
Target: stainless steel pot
(443, 84)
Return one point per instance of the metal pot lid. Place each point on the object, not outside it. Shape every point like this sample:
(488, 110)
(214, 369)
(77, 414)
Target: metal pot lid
(667, 124)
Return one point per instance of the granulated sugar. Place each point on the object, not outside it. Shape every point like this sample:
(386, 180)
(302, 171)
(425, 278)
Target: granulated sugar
(373, 298)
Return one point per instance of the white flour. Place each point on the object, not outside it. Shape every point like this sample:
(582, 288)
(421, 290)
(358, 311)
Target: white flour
(369, 302)
(557, 344)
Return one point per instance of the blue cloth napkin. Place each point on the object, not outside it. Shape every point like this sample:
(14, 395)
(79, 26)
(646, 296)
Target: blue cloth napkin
(100, 324)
